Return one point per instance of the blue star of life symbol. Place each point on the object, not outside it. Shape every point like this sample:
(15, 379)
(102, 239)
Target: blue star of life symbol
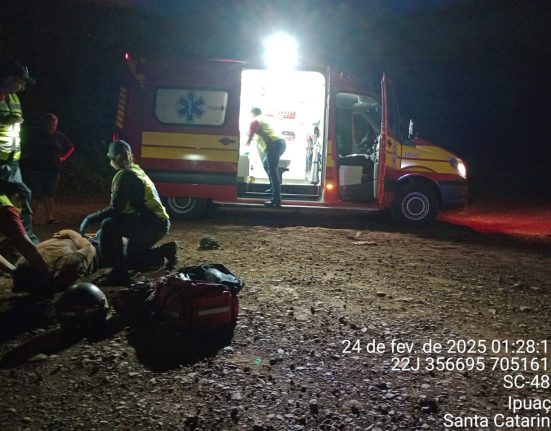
(190, 106)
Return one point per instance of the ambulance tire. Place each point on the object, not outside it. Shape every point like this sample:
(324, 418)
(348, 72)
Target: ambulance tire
(211, 207)
(186, 208)
(415, 204)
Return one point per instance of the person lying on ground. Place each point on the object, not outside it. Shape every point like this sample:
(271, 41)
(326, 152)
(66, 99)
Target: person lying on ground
(69, 255)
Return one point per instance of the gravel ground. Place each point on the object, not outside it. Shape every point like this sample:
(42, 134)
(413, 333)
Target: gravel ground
(332, 303)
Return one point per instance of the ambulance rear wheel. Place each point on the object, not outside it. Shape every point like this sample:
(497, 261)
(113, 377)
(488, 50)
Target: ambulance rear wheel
(186, 208)
(415, 204)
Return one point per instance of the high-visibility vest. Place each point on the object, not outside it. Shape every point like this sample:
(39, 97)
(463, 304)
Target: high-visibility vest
(152, 201)
(10, 139)
(15, 201)
(267, 129)
(5, 201)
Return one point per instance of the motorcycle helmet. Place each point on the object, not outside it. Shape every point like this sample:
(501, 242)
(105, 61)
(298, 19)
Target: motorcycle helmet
(82, 305)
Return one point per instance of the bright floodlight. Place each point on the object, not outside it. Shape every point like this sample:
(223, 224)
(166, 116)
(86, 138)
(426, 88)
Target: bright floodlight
(280, 52)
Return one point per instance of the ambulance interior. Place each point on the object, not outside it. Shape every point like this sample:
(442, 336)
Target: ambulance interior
(293, 103)
(358, 127)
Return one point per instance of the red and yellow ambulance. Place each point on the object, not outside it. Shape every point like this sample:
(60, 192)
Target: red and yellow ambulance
(187, 122)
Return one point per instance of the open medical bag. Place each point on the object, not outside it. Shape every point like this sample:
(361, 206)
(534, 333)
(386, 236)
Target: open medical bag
(200, 297)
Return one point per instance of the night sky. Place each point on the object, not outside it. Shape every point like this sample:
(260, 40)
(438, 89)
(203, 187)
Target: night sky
(472, 74)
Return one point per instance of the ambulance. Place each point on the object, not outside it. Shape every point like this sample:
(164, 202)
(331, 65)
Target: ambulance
(187, 122)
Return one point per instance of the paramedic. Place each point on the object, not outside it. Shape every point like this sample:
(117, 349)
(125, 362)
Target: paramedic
(273, 147)
(13, 78)
(11, 226)
(135, 213)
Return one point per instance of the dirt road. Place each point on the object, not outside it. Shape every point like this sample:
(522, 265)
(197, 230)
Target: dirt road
(339, 328)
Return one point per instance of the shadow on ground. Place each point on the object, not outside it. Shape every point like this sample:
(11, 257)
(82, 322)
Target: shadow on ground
(23, 314)
(57, 340)
(160, 347)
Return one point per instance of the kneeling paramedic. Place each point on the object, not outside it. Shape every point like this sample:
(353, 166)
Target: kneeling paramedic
(135, 213)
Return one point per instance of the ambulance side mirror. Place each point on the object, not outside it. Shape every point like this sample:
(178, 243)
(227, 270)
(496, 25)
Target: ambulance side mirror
(411, 131)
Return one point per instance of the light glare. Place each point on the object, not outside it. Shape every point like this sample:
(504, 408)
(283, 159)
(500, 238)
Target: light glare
(281, 52)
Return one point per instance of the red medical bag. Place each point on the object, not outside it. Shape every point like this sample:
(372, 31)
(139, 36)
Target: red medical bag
(189, 302)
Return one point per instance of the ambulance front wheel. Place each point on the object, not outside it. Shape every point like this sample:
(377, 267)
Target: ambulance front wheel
(415, 204)
(186, 208)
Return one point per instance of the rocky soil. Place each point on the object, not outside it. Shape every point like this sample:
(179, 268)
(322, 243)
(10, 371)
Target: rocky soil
(327, 298)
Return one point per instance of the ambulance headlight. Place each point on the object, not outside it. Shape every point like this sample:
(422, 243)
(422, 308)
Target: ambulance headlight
(459, 166)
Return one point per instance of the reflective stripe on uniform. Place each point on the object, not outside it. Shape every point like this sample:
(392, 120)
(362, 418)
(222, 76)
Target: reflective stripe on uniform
(267, 129)
(5, 201)
(151, 197)
(10, 140)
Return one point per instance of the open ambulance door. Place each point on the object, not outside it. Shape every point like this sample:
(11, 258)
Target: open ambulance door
(190, 133)
(383, 137)
(389, 145)
(357, 132)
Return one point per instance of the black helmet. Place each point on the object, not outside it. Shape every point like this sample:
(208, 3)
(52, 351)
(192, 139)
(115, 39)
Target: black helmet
(82, 304)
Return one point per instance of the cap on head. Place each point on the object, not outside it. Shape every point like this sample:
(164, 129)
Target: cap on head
(118, 148)
(256, 111)
(12, 68)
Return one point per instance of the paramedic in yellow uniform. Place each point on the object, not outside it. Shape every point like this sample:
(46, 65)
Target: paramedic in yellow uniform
(272, 146)
(14, 77)
(135, 213)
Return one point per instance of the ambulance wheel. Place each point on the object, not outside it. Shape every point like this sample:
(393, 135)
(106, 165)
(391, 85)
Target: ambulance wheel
(415, 204)
(211, 207)
(186, 208)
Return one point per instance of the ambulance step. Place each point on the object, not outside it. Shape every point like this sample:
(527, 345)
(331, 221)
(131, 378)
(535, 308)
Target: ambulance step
(284, 196)
(244, 189)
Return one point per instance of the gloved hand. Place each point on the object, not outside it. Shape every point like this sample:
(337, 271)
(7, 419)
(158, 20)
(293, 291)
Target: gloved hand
(82, 229)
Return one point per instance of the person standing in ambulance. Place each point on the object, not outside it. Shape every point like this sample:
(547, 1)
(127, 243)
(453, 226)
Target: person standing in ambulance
(271, 147)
